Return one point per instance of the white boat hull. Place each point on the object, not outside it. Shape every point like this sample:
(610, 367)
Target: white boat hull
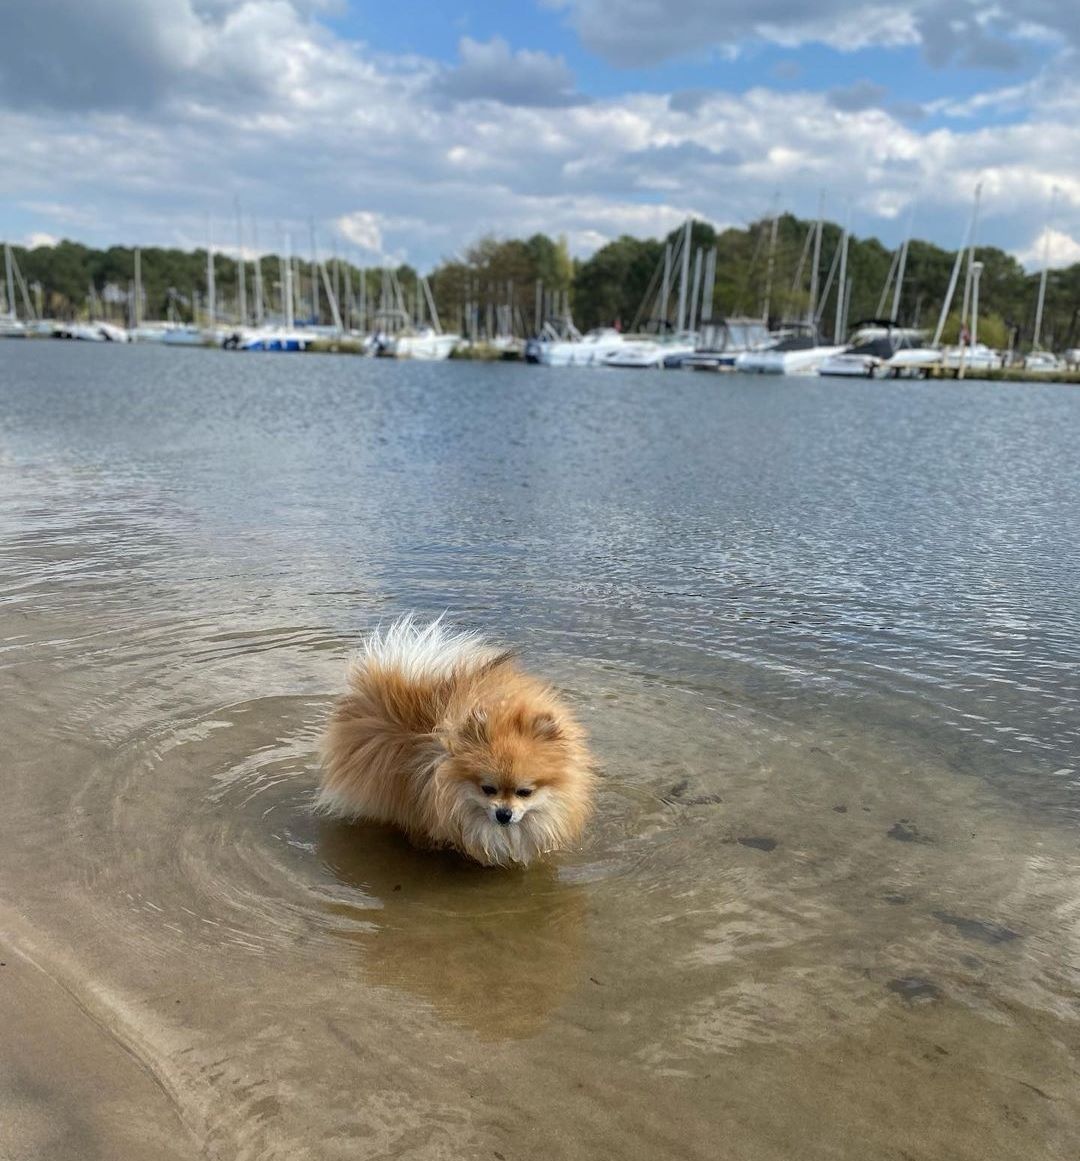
(184, 337)
(576, 354)
(798, 362)
(270, 340)
(94, 332)
(1043, 363)
(149, 334)
(976, 358)
(647, 355)
(850, 366)
(591, 351)
(642, 356)
(427, 348)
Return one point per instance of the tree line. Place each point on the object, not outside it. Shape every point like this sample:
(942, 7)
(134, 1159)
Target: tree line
(498, 285)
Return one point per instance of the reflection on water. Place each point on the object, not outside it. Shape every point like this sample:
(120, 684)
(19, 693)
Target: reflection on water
(824, 639)
(495, 952)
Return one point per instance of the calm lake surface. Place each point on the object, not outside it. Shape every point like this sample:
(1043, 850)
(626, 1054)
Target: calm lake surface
(825, 637)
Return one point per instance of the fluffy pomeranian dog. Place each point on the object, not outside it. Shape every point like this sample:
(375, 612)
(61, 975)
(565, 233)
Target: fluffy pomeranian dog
(443, 735)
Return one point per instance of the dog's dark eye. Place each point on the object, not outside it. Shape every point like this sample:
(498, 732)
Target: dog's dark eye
(524, 792)
(488, 790)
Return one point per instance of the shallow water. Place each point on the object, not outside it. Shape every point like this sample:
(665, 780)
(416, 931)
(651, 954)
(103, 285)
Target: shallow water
(824, 636)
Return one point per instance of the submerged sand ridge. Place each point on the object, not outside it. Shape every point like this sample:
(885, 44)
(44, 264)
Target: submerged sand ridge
(775, 941)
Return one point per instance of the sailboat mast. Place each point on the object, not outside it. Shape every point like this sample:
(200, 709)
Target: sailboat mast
(287, 285)
(665, 292)
(953, 279)
(841, 290)
(902, 267)
(314, 277)
(331, 298)
(10, 280)
(894, 262)
(258, 273)
(895, 313)
(425, 285)
(241, 269)
(696, 290)
(684, 276)
(970, 257)
(710, 287)
(137, 312)
(770, 268)
(1045, 271)
(211, 295)
(298, 287)
(350, 299)
(815, 268)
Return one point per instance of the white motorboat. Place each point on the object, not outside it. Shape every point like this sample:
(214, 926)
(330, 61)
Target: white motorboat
(912, 362)
(509, 346)
(92, 332)
(795, 354)
(972, 357)
(184, 336)
(651, 354)
(851, 365)
(1043, 363)
(427, 344)
(112, 333)
(272, 339)
(173, 333)
(12, 327)
(591, 350)
(721, 344)
(873, 345)
(151, 332)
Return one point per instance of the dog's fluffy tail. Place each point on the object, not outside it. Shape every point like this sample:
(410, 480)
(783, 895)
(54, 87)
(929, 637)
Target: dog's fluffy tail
(399, 685)
(422, 652)
(407, 668)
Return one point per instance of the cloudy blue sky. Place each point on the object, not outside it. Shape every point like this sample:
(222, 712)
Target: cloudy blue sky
(407, 129)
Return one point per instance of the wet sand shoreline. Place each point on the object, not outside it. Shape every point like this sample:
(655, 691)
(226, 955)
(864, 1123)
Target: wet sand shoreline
(70, 1090)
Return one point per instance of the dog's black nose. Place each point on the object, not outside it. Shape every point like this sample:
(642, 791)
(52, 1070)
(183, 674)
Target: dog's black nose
(503, 815)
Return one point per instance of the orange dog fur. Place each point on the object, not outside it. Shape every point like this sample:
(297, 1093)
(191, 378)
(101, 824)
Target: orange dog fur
(444, 736)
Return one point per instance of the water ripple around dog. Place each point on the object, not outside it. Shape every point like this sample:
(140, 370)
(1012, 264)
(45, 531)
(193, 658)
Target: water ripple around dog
(212, 816)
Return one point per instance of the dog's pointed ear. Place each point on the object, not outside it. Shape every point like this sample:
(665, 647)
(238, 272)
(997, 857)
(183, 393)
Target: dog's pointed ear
(545, 727)
(474, 727)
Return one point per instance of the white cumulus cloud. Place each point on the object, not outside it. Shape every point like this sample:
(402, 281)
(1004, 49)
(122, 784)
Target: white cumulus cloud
(362, 228)
(1050, 248)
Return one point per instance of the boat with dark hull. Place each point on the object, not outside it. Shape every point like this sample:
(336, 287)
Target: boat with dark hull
(874, 344)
